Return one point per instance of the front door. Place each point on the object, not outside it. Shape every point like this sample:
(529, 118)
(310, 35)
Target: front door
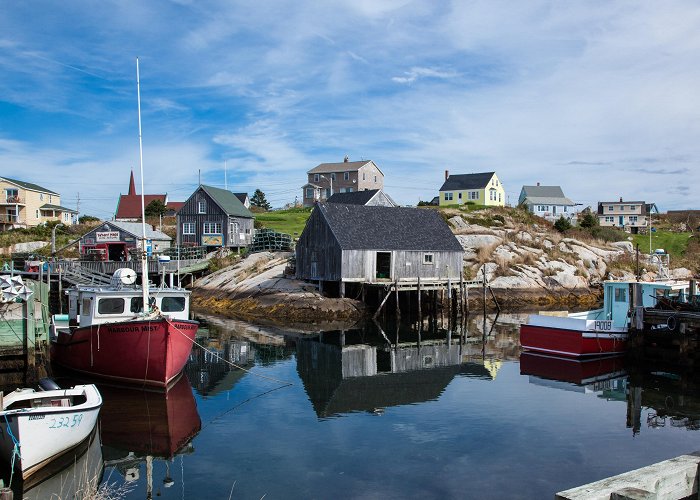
(383, 270)
(622, 220)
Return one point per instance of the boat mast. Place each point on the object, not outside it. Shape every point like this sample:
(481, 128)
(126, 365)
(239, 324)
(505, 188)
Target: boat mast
(144, 257)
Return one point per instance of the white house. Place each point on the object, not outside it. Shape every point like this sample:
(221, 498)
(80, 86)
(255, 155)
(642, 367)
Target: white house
(548, 202)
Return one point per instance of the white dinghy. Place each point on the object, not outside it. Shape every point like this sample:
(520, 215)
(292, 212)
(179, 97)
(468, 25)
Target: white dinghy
(39, 426)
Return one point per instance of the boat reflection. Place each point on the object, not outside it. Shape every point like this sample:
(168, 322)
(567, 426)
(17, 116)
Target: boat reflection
(77, 474)
(144, 427)
(347, 371)
(663, 399)
(605, 376)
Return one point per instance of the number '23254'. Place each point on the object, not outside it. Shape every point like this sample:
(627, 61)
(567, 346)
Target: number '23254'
(67, 422)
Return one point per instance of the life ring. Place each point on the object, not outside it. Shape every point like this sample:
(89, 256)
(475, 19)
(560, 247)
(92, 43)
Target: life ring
(672, 323)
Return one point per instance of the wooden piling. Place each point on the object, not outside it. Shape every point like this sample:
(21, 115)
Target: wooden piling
(420, 315)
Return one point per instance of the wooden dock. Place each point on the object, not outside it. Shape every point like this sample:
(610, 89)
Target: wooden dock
(672, 479)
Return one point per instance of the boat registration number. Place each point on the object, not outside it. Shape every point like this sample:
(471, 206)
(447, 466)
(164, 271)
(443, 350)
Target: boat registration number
(603, 325)
(66, 422)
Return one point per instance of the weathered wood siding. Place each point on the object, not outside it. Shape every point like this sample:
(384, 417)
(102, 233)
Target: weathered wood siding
(405, 264)
(318, 254)
(237, 231)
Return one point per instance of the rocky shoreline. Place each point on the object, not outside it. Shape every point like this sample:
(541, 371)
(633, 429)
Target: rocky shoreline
(528, 267)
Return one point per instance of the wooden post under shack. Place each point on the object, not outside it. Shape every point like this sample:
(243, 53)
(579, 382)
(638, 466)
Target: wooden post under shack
(420, 316)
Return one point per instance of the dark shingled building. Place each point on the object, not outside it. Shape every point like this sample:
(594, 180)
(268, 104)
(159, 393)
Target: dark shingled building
(371, 244)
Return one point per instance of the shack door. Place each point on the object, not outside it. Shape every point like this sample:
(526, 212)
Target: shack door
(383, 265)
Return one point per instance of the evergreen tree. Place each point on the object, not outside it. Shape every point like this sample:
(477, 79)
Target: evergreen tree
(588, 220)
(258, 200)
(562, 224)
(155, 208)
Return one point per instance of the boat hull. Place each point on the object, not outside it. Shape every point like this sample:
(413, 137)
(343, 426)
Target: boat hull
(146, 352)
(571, 342)
(45, 434)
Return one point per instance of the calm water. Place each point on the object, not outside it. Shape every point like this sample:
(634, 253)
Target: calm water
(369, 414)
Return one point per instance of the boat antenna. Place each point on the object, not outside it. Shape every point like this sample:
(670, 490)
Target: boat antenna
(144, 257)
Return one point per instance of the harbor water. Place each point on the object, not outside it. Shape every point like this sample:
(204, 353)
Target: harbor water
(450, 411)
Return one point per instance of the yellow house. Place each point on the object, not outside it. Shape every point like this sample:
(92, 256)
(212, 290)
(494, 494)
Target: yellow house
(23, 204)
(481, 189)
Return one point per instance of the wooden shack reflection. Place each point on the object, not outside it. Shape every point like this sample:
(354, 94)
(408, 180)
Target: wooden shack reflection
(341, 378)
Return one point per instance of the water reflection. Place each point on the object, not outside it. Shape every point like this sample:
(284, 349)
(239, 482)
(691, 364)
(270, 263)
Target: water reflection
(143, 428)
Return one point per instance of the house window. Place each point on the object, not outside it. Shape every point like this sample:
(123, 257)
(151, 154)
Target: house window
(610, 208)
(364, 176)
(499, 197)
(65, 217)
(633, 207)
(41, 196)
(492, 194)
(610, 219)
(375, 178)
(212, 228)
(346, 176)
(201, 207)
(38, 215)
(317, 177)
(633, 219)
(473, 195)
(309, 192)
(333, 176)
(565, 209)
(50, 199)
(12, 195)
(428, 259)
(448, 196)
(188, 228)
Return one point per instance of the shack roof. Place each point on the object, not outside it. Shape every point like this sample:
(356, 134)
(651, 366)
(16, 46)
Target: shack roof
(467, 181)
(353, 198)
(361, 227)
(228, 201)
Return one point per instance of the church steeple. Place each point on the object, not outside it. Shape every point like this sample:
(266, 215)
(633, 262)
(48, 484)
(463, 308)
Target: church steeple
(132, 185)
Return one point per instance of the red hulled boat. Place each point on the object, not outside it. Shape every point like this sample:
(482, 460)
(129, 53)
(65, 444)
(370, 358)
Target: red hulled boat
(110, 337)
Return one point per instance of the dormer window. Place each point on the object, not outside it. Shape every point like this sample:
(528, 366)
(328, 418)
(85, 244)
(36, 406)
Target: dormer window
(346, 176)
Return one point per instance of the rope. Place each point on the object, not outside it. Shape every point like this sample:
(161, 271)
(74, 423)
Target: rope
(15, 449)
(286, 382)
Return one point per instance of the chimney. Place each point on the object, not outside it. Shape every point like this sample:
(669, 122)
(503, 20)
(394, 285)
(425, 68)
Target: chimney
(538, 183)
(620, 199)
(346, 159)
(447, 174)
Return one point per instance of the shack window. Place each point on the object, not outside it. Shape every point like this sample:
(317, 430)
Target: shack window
(428, 258)
(201, 207)
(172, 304)
(110, 306)
(620, 295)
(86, 306)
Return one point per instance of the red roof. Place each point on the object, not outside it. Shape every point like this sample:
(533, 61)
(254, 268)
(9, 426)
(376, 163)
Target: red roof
(129, 206)
(175, 205)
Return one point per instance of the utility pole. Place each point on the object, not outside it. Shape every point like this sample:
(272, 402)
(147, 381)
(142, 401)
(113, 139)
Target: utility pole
(77, 209)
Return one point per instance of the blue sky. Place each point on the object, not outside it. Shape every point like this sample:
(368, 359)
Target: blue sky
(600, 97)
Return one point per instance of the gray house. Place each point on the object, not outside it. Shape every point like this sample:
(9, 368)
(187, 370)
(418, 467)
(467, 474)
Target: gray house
(548, 202)
(374, 244)
(214, 217)
(371, 197)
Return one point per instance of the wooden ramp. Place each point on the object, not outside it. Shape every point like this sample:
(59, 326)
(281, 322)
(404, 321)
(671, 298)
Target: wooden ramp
(672, 479)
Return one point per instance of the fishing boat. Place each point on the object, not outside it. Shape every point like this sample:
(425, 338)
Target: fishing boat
(37, 427)
(598, 332)
(110, 336)
(126, 332)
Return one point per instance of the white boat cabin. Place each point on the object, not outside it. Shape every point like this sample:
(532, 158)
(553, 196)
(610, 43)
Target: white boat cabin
(94, 305)
(617, 299)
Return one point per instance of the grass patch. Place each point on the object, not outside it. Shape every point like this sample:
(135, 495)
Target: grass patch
(290, 221)
(675, 244)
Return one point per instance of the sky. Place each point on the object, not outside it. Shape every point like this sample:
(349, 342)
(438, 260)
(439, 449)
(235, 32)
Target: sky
(599, 97)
